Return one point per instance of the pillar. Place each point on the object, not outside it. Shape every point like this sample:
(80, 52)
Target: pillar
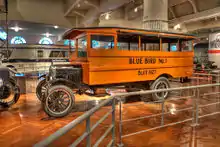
(214, 48)
(155, 15)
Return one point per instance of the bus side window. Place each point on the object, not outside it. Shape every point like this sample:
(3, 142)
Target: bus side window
(150, 43)
(169, 45)
(102, 42)
(128, 42)
(186, 45)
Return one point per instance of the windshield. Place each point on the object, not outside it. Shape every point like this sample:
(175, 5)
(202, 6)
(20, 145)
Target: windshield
(82, 45)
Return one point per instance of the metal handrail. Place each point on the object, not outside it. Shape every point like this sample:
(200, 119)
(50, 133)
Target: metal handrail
(72, 124)
(86, 116)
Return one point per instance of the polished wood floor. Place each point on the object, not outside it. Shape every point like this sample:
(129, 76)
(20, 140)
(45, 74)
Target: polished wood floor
(25, 124)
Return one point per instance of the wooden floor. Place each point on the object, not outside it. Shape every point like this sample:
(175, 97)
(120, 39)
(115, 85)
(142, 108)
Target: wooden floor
(25, 124)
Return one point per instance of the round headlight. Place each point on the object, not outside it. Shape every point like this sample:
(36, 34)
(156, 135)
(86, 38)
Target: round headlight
(1, 82)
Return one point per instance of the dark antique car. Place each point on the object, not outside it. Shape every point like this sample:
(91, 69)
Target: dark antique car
(9, 90)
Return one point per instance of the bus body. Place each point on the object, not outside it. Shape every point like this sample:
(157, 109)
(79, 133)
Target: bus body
(139, 55)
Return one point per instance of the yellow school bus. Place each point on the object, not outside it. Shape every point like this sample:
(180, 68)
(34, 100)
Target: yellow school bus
(134, 58)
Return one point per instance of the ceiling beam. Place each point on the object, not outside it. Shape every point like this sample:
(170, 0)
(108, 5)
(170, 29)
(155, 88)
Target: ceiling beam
(214, 25)
(71, 7)
(92, 4)
(78, 13)
(176, 2)
(211, 13)
(172, 12)
(192, 2)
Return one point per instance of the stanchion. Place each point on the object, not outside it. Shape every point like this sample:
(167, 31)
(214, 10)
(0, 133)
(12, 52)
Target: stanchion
(120, 124)
(162, 110)
(113, 121)
(197, 106)
(88, 130)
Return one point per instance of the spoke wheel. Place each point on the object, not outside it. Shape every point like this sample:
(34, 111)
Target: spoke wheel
(160, 83)
(12, 93)
(60, 101)
(41, 89)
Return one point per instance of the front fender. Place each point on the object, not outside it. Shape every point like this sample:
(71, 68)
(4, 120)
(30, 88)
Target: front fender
(61, 81)
(42, 76)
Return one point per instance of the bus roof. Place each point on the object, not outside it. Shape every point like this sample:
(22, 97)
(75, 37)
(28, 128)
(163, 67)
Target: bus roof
(72, 33)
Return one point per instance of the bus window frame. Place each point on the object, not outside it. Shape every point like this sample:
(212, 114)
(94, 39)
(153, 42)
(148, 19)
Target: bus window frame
(178, 46)
(129, 44)
(86, 35)
(101, 34)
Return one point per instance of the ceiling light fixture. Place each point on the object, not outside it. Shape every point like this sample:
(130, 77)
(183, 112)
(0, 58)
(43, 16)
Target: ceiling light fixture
(176, 27)
(47, 34)
(16, 28)
(56, 27)
(136, 9)
(107, 16)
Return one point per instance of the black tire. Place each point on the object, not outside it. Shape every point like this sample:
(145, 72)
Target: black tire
(53, 101)
(13, 97)
(160, 83)
(41, 90)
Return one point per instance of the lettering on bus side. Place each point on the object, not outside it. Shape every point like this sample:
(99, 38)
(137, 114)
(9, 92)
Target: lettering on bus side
(146, 72)
(143, 60)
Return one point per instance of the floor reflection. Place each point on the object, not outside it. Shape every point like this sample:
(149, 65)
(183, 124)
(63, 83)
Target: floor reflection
(25, 123)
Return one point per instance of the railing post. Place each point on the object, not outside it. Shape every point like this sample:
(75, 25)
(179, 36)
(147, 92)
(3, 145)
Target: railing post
(162, 116)
(120, 124)
(88, 138)
(195, 120)
(218, 89)
(193, 109)
(197, 106)
(113, 121)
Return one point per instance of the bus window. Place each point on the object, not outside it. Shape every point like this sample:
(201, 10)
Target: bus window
(102, 42)
(186, 45)
(150, 43)
(128, 42)
(82, 44)
(169, 45)
(40, 54)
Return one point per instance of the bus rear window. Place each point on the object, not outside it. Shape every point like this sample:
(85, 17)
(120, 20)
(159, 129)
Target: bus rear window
(186, 45)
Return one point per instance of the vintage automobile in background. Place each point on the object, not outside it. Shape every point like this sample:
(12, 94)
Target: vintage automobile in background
(204, 66)
(135, 59)
(9, 90)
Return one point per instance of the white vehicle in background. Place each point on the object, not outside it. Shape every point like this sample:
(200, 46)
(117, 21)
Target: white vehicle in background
(35, 58)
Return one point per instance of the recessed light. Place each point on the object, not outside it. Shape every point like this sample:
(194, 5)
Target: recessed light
(56, 27)
(136, 9)
(107, 16)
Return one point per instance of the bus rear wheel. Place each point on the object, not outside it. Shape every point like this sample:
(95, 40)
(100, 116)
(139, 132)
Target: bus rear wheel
(160, 83)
